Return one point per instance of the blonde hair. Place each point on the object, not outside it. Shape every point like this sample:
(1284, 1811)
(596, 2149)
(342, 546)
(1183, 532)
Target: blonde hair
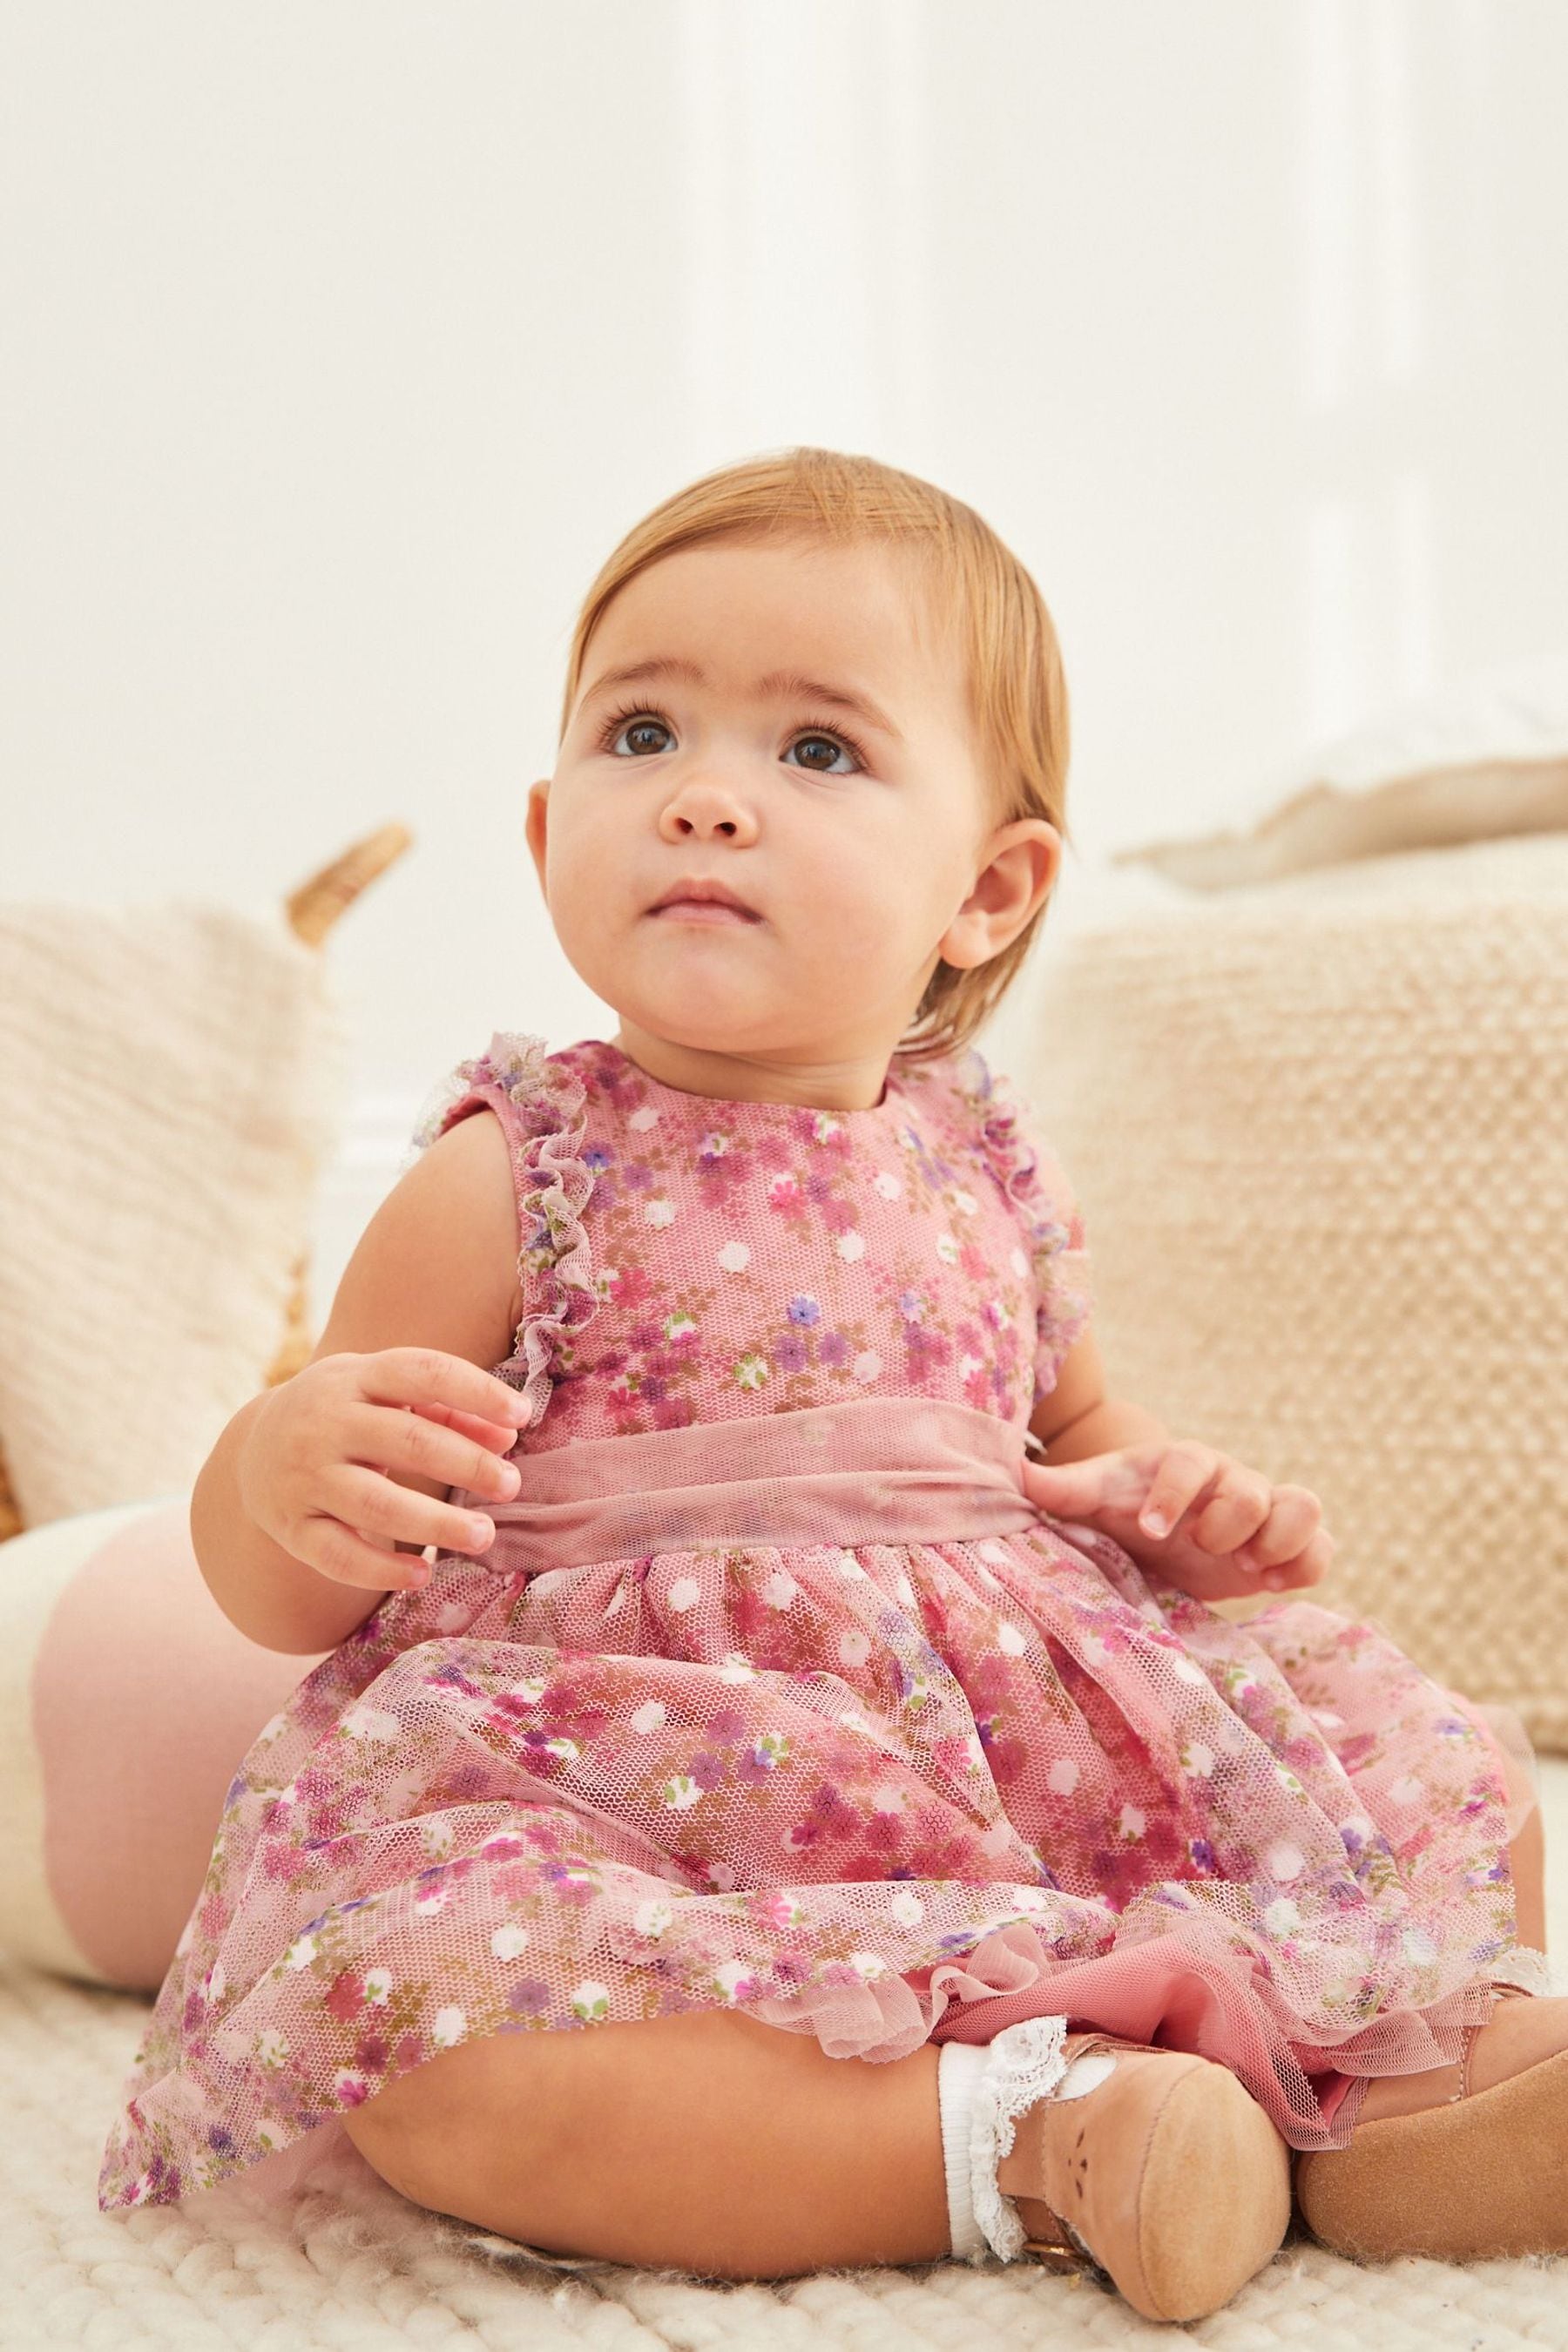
(1016, 689)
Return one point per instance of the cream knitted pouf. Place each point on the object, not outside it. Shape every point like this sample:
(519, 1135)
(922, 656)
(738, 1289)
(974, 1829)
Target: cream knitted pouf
(1319, 1130)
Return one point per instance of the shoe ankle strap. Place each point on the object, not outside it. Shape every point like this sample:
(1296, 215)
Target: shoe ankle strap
(1067, 2253)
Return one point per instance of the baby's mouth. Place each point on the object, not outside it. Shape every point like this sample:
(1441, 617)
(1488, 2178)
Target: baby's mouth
(704, 899)
(704, 911)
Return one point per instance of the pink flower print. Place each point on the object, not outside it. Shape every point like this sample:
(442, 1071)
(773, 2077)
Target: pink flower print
(774, 1907)
(346, 1998)
(772, 1151)
(784, 1193)
(837, 1217)
(923, 1351)
(833, 1350)
(634, 1286)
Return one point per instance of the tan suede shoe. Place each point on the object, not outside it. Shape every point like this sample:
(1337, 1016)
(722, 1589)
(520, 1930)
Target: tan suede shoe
(1481, 2173)
(1153, 2171)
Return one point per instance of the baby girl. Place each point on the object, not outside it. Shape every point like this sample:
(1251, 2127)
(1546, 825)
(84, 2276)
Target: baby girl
(708, 1652)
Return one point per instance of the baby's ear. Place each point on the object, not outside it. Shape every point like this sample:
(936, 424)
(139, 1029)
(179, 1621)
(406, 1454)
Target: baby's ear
(535, 823)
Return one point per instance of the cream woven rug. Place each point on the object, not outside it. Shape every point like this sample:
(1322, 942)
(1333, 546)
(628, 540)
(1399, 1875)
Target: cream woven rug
(353, 2266)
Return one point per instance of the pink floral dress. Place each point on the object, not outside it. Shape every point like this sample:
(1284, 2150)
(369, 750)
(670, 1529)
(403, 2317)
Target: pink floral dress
(773, 1693)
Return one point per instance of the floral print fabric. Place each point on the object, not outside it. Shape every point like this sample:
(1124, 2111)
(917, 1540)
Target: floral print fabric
(850, 1737)
(755, 1257)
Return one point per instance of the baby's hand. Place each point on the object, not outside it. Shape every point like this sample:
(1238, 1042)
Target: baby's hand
(1146, 1498)
(318, 1470)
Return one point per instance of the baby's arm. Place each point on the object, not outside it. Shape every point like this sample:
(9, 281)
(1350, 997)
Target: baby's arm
(437, 1267)
(1078, 1418)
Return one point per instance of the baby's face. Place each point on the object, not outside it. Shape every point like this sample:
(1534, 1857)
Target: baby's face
(856, 836)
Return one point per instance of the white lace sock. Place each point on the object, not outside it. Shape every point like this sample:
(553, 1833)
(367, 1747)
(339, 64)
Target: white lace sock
(980, 2092)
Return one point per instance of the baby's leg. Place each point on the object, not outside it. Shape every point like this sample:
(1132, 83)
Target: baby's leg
(1527, 1853)
(707, 2141)
(1518, 2034)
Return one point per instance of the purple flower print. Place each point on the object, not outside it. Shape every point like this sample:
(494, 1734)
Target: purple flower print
(529, 1993)
(805, 1309)
(597, 1156)
(790, 1353)
(833, 1349)
(638, 1176)
(911, 1306)
(1202, 1853)
(708, 1771)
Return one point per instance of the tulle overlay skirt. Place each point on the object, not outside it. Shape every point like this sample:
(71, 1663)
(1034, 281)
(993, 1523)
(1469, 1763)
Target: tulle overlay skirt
(814, 1717)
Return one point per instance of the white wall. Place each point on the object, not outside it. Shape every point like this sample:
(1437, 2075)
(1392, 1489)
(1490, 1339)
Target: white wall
(342, 338)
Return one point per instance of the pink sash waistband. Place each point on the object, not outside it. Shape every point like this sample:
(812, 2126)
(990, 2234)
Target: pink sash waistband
(869, 1470)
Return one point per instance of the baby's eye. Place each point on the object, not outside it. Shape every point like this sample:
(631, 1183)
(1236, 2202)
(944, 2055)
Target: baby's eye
(635, 726)
(833, 745)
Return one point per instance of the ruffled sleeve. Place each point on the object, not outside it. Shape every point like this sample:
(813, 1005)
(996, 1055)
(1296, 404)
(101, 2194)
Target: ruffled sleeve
(1050, 1217)
(541, 1105)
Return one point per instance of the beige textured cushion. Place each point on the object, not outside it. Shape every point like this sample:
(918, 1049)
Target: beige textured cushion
(169, 1076)
(1320, 1132)
(1484, 757)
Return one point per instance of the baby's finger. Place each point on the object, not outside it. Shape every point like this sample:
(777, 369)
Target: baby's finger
(1293, 1520)
(501, 1438)
(1312, 1564)
(1237, 1510)
(1185, 1469)
(428, 1378)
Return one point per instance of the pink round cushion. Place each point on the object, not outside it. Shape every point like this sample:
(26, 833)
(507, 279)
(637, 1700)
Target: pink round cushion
(127, 1700)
